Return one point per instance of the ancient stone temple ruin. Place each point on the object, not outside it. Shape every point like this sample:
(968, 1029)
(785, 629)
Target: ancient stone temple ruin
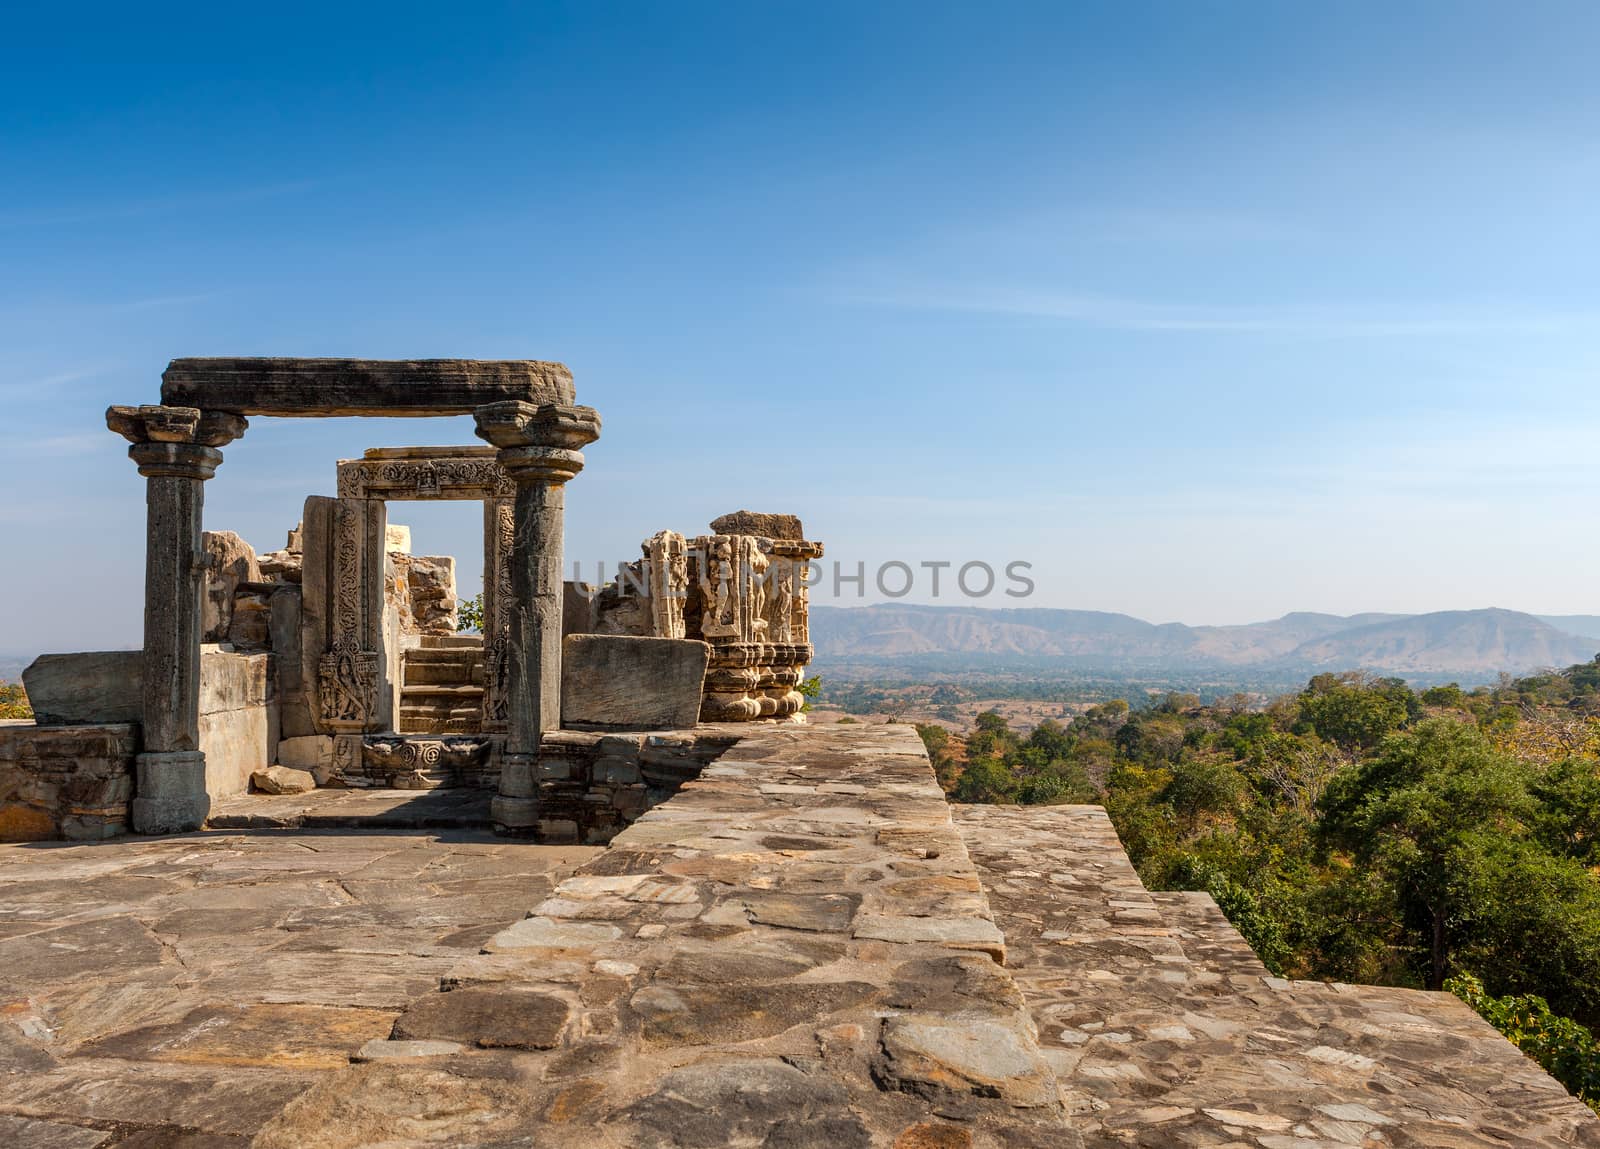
(337, 659)
(730, 927)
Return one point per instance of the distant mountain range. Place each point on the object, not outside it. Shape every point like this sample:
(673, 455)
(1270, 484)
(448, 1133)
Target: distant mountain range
(1473, 644)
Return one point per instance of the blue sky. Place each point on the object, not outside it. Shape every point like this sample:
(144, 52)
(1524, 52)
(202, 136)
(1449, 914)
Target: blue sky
(1210, 311)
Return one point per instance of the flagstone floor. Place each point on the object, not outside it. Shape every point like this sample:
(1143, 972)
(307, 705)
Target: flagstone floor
(176, 993)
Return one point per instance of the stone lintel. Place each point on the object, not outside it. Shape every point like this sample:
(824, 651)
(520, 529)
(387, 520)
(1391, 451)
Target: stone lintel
(380, 387)
(403, 454)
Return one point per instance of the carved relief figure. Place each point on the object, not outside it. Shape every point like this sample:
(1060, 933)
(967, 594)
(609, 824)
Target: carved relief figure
(668, 560)
(346, 681)
(722, 619)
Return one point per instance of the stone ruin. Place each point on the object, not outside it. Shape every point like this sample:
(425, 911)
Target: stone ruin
(337, 660)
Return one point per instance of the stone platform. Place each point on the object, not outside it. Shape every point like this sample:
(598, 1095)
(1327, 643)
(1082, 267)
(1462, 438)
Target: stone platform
(1164, 1028)
(801, 947)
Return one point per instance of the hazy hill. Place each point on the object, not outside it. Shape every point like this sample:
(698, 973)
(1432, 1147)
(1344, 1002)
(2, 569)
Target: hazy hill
(1471, 643)
(1588, 625)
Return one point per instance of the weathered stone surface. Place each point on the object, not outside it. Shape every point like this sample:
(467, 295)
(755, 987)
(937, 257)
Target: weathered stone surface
(397, 539)
(230, 561)
(386, 1049)
(282, 780)
(238, 719)
(250, 628)
(27, 1133)
(270, 1035)
(578, 610)
(313, 752)
(281, 566)
(84, 689)
(178, 993)
(424, 590)
(929, 1054)
(489, 1018)
(756, 523)
(629, 683)
(817, 912)
(694, 1015)
(746, 1102)
(328, 387)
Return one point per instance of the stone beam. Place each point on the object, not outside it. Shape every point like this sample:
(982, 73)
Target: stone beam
(320, 388)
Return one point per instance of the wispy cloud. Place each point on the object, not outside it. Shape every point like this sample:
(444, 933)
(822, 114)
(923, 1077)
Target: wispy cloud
(162, 205)
(23, 381)
(1113, 313)
(64, 446)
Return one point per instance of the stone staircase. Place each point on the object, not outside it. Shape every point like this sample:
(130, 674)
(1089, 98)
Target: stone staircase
(441, 686)
(1164, 1029)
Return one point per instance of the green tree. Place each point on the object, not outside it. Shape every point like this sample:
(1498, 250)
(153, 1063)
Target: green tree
(1355, 712)
(1423, 812)
(985, 780)
(14, 701)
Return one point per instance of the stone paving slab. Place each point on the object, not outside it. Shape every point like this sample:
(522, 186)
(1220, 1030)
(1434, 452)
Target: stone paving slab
(1162, 1033)
(177, 993)
(380, 809)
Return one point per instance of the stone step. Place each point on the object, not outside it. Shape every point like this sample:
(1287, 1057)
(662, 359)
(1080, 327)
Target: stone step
(425, 667)
(440, 690)
(375, 809)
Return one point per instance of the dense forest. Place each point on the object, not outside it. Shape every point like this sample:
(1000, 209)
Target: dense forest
(1358, 831)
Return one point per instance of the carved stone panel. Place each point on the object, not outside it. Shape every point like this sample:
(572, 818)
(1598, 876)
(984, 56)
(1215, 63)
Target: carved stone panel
(424, 473)
(667, 555)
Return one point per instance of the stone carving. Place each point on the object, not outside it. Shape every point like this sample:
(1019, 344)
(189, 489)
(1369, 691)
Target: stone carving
(496, 675)
(425, 473)
(745, 594)
(347, 682)
(411, 763)
(667, 559)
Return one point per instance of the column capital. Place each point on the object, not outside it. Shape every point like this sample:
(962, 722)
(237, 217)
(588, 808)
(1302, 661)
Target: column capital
(538, 443)
(175, 442)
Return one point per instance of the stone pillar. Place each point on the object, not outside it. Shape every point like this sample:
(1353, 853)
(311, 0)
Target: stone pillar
(176, 451)
(499, 532)
(539, 449)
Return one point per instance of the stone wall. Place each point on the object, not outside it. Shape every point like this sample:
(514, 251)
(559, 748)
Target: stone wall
(70, 782)
(593, 785)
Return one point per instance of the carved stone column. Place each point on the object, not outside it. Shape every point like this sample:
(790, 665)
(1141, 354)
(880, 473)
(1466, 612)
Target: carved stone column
(499, 532)
(176, 450)
(540, 450)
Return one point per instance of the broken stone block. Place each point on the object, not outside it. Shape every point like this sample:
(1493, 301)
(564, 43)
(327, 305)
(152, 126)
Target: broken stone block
(755, 523)
(432, 581)
(313, 752)
(85, 689)
(251, 626)
(282, 780)
(627, 683)
(238, 718)
(229, 561)
(281, 566)
(397, 539)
